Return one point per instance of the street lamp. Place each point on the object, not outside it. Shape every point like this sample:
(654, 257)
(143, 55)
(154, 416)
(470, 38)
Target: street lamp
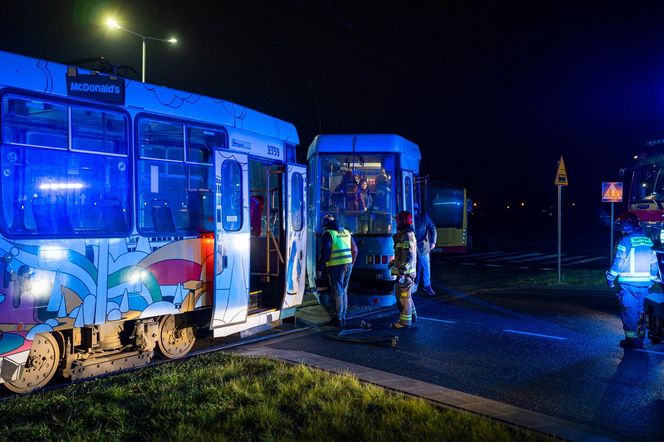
(112, 23)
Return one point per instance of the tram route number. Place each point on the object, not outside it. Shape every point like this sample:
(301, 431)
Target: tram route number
(273, 151)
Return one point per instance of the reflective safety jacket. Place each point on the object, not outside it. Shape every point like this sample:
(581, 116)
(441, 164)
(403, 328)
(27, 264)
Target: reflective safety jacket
(340, 250)
(634, 262)
(405, 252)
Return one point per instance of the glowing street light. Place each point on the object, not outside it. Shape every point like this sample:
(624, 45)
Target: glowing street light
(113, 24)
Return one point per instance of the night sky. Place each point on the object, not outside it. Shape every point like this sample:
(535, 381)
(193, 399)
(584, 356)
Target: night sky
(493, 92)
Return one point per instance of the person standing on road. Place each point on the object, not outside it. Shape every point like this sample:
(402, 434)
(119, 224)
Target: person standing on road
(635, 267)
(426, 235)
(337, 256)
(404, 267)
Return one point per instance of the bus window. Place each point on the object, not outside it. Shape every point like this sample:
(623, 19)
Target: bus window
(297, 201)
(447, 208)
(359, 190)
(34, 122)
(231, 195)
(175, 195)
(409, 193)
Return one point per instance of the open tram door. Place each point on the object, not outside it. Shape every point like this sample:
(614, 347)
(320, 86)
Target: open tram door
(231, 240)
(296, 238)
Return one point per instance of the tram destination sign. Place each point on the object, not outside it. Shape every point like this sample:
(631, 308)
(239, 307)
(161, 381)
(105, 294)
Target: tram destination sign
(97, 87)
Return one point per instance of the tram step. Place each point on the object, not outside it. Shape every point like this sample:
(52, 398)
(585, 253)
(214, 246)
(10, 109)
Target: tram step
(107, 364)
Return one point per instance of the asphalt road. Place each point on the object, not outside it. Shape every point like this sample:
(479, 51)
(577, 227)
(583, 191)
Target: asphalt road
(550, 351)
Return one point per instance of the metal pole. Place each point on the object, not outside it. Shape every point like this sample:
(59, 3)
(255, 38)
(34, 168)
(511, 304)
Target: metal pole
(611, 228)
(559, 232)
(143, 63)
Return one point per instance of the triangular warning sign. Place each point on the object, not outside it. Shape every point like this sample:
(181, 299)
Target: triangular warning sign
(612, 193)
(561, 174)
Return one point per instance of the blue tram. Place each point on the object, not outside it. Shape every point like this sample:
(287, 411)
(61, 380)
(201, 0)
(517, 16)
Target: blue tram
(132, 215)
(364, 180)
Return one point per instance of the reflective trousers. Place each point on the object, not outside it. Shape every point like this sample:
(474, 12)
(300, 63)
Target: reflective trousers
(423, 270)
(339, 279)
(631, 307)
(405, 303)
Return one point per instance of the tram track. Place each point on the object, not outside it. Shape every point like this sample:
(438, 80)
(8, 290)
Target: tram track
(274, 335)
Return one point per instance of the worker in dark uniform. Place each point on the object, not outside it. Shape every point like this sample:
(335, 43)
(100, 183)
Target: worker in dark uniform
(337, 255)
(426, 235)
(635, 268)
(404, 267)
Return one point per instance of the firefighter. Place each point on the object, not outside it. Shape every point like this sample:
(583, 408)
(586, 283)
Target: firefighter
(635, 267)
(337, 256)
(404, 267)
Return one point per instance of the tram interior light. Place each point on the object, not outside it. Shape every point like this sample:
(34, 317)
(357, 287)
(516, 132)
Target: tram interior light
(60, 186)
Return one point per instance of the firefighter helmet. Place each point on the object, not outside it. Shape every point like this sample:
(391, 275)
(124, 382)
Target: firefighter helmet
(628, 221)
(404, 218)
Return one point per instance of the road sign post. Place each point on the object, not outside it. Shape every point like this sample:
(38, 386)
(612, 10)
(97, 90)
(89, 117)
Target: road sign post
(612, 192)
(560, 181)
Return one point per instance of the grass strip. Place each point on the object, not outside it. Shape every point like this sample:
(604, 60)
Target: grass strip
(220, 397)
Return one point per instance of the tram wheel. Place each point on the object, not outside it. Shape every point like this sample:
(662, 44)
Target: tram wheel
(40, 367)
(176, 337)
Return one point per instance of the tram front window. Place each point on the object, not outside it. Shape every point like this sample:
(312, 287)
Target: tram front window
(359, 190)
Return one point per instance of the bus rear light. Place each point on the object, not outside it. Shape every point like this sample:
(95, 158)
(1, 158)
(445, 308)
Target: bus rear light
(370, 259)
(384, 260)
(377, 259)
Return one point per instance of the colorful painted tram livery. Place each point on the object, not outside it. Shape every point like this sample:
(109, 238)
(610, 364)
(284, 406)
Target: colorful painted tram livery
(134, 214)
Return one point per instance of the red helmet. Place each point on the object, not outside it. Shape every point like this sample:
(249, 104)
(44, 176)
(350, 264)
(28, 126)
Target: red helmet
(628, 220)
(404, 218)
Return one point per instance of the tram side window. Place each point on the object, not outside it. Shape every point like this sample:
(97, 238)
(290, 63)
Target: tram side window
(96, 131)
(34, 122)
(231, 196)
(297, 201)
(48, 190)
(174, 192)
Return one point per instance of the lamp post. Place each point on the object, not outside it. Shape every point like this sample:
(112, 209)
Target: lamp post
(115, 25)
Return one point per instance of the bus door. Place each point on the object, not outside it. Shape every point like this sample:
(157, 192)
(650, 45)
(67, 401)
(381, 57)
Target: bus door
(407, 190)
(231, 240)
(296, 234)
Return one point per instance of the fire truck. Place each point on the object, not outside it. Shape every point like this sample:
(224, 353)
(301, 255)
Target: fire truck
(646, 200)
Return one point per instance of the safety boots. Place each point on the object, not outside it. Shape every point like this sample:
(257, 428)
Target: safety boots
(631, 344)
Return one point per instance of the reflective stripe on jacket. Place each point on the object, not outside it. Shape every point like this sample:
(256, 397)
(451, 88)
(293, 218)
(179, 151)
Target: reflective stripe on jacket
(405, 252)
(341, 248)
(635, 261)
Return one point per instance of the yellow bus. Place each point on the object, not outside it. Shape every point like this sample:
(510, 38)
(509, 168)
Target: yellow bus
(448, 207)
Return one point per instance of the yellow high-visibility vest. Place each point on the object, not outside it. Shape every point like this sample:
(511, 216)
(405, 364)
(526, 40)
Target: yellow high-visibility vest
(340, 253)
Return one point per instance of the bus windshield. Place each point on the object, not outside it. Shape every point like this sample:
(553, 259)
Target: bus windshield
(647, 185)
(447, 208)
(359, 190)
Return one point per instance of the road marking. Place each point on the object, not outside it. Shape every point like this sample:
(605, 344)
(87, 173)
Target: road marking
(525, 255)
(468, 263)
(493, 265)
(524, 267)
(437, 320)
(650, 351)
(597, 258)
(477, 255)
(540, 258)
(574, 258)
(547, 268)
(535, 334)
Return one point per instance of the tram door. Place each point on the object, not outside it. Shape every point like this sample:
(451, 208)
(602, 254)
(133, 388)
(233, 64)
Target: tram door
(407, 191)
(231, 260)
(296, 235)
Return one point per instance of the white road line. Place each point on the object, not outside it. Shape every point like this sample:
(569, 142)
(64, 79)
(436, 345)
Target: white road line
(540, 258)
(468, 263)
(597, 258)
(525, 255)
(547, 268)
(574, 258)
(650, 351)
(437, 320)
(477, 255)
(524, 267)
(493, 265)
(535, 334)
